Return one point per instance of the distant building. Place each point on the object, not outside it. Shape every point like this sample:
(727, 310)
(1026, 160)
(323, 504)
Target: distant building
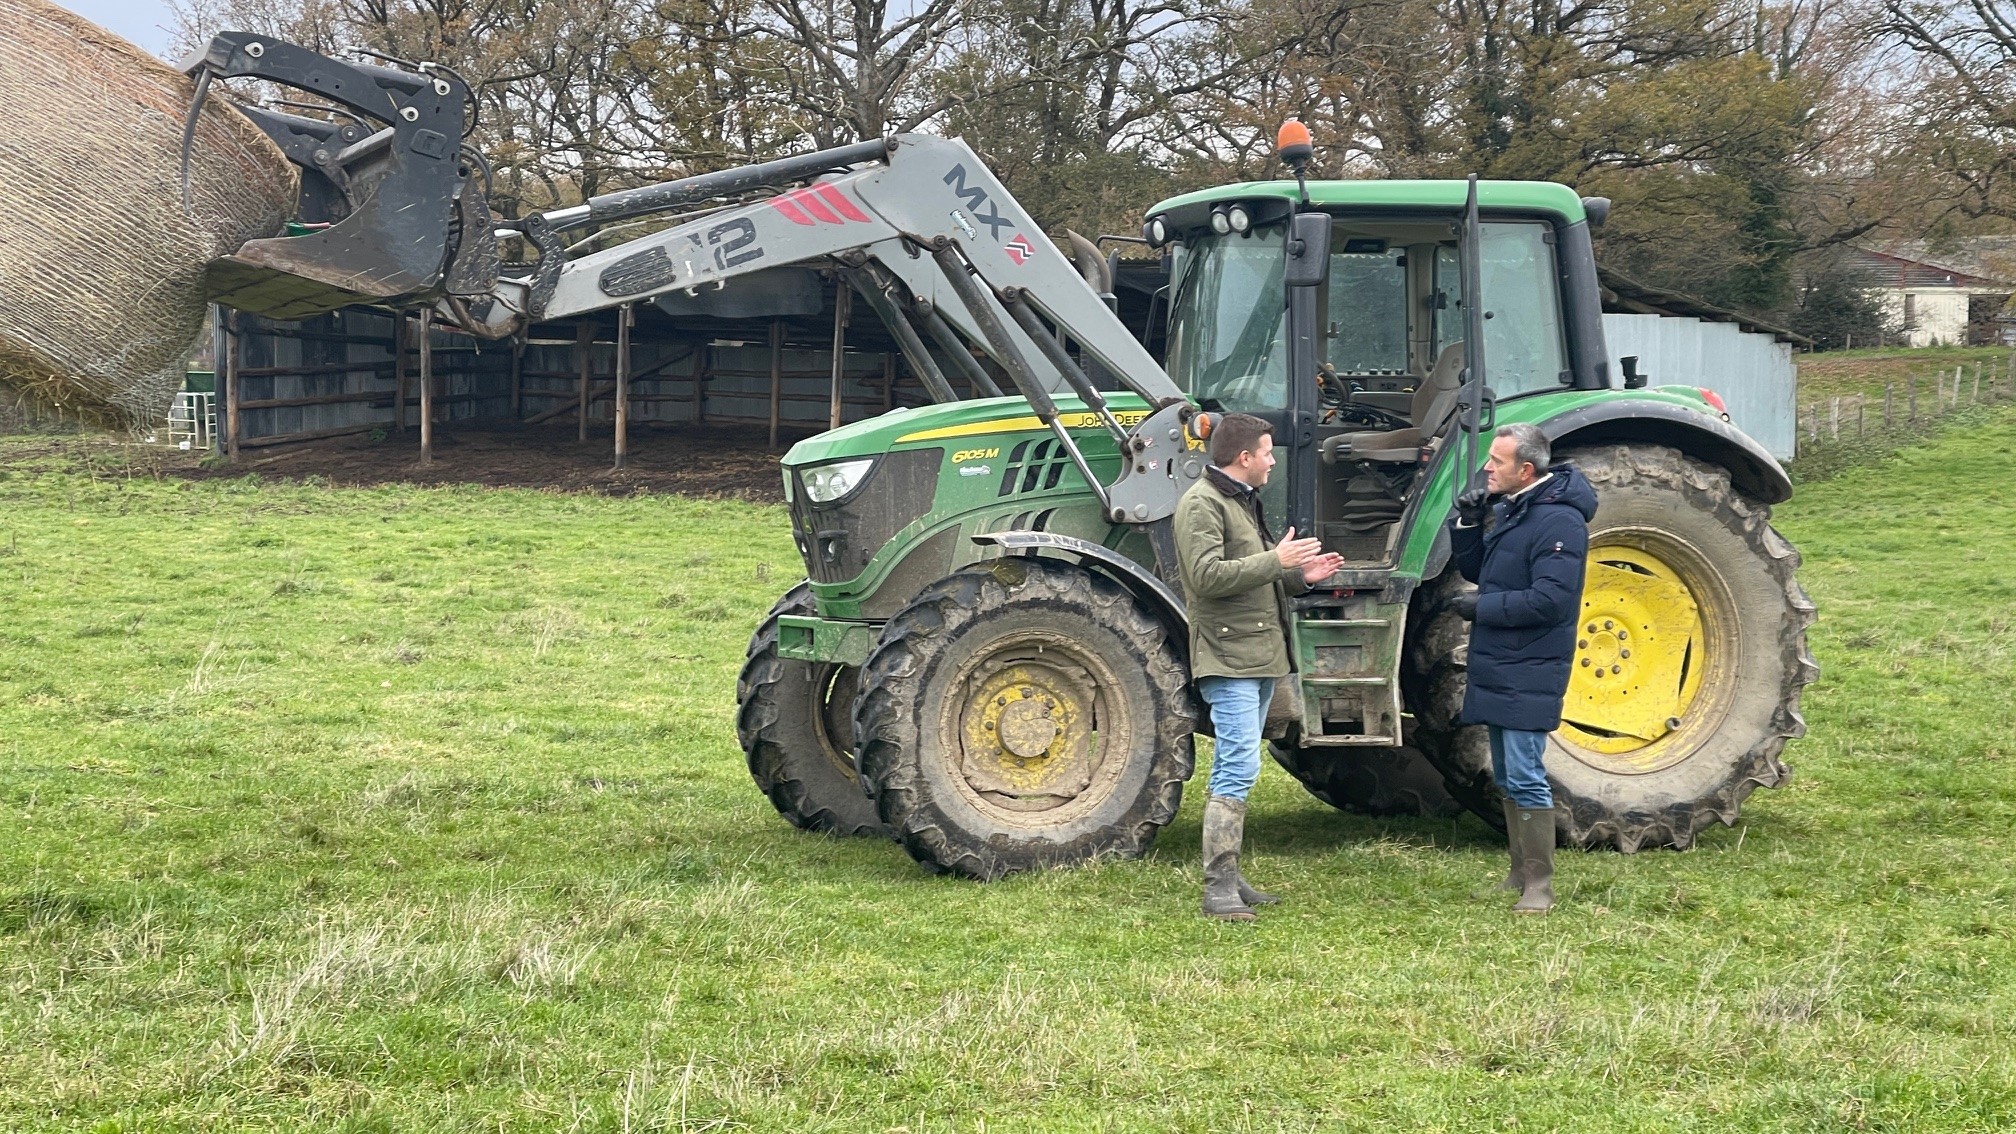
(1949, 293)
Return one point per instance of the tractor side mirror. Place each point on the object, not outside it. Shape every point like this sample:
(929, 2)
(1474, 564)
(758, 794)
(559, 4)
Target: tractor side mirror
(1308, 250)
(1633, 379)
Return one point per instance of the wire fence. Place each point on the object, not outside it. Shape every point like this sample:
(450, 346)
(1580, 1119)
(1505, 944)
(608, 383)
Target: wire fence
(1918, 401)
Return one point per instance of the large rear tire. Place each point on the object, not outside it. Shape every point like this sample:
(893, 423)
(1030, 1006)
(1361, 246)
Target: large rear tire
(796, 726)
(1667, 731)
(1021, 715)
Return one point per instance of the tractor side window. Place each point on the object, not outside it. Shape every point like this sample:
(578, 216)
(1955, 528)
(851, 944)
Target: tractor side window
(1228, 341)
(1524, 349)
(1367, 327)
(1523, 345)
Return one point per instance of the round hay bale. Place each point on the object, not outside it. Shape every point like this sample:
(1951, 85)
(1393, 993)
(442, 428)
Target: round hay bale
(101, 298)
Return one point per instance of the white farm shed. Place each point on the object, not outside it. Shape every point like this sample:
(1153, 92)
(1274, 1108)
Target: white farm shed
(1679, 340)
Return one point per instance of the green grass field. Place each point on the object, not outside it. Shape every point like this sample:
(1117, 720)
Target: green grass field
(392, 809)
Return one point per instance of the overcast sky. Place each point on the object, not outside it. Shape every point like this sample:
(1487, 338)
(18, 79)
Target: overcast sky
(145, 22)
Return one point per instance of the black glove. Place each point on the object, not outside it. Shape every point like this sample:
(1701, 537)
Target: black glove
(1466, 606)
(1473, 506)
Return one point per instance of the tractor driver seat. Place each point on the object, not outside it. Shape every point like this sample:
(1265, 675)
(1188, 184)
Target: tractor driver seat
(1434, 406)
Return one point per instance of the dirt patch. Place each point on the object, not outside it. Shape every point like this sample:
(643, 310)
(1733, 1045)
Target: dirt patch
(713, 462)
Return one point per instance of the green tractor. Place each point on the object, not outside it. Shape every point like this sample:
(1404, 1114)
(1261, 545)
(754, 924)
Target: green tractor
(987, 661)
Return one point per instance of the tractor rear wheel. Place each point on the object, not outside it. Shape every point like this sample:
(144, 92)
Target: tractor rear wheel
(796, 725)
(1024, 714)
(1380, 782)
(1691, 657)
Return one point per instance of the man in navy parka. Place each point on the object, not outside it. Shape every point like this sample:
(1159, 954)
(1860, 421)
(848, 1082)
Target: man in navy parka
(1523, 540)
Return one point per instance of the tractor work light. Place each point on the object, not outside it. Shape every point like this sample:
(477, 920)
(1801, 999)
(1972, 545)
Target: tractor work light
(826, 483)
(1220, 222)
(1157, 232)
(1240, 220)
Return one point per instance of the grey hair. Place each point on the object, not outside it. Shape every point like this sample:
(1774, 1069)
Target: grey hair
(1529, 445)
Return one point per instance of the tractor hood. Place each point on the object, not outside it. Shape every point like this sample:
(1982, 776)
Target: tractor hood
(950, 424)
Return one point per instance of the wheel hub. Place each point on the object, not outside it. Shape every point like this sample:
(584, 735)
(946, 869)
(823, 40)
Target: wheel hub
(1027, 732)
(1640, 649)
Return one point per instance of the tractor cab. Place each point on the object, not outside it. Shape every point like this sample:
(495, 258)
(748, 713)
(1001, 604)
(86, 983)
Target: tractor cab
(1376, 342)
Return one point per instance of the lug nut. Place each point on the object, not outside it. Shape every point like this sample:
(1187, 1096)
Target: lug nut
(1585, 663)
(1623, 635)
(1607, 624)
(1583, 644)
(1624, 654)
(1616, 669)
(1592, 627)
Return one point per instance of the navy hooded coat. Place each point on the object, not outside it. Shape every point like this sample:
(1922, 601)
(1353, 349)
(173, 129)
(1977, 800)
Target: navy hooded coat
(1527, 563)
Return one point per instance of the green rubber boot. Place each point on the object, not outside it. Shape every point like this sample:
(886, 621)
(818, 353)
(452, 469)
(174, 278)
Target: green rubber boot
(1224, 830)
(1533, 842)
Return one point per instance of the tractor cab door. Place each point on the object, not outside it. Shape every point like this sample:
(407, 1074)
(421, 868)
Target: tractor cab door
(1229, 345)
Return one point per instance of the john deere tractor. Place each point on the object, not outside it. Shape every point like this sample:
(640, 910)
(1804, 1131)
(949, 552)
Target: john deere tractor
(988, 659)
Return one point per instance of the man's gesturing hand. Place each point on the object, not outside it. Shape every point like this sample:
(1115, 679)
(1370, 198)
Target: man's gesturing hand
(1294, 552)
(1321, 568)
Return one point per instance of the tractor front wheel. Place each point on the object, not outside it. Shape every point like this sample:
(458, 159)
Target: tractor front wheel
(1690, 660)
(795, 722)
(1024, 714)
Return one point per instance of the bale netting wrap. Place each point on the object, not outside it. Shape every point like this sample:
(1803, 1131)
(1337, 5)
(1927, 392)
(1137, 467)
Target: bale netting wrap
(101, 298)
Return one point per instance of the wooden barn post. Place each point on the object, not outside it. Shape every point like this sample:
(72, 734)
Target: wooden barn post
(234, 348)
(518, 345)
(425, 333)
(584, 356)
(776, 378)
(843, 307)
(626, 315)
(399, 372)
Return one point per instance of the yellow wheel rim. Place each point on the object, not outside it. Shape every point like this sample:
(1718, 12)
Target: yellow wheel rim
(1653, 634)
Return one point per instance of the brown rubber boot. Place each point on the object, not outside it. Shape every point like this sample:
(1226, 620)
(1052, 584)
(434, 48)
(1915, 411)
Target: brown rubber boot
(1515, 879)
(1224, 830)
(1533, 842)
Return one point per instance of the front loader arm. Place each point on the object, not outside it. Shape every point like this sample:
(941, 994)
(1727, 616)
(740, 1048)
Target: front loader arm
(933, 217)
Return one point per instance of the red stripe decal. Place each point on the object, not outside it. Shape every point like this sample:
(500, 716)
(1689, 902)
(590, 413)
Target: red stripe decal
(815, 206)
(839, 201)
(791, 212)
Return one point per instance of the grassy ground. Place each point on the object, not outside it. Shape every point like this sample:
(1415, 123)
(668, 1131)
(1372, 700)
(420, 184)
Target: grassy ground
(399, 809)
(1843, 373)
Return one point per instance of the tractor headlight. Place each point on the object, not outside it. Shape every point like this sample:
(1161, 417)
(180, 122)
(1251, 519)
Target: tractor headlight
(1220, 223)
(1157, 232)
(826, 483)
(1239, 219)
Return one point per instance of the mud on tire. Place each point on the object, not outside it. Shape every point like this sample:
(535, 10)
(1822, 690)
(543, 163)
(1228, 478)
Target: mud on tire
(795, 723)
(1749, 706)
(1024, 714)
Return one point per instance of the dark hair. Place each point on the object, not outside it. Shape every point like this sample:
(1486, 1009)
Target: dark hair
(1234, 434)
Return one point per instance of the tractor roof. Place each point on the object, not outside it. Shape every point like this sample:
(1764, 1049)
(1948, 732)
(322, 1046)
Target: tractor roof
(1527, 196)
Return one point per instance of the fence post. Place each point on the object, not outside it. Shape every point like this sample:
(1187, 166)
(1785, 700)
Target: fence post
(1834, 419)
(1888, 390)
(1861, 415)
(1975, 397)
(1911, 397)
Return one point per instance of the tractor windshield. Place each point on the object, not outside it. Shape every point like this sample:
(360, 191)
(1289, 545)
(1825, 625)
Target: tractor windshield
(1392, 303)
(1228, 341)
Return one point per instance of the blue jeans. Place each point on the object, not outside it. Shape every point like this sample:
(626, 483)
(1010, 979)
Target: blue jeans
(1516, 767)
(1238, 713)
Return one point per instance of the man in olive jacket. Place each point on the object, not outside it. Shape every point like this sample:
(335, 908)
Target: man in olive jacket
(1237, 580)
